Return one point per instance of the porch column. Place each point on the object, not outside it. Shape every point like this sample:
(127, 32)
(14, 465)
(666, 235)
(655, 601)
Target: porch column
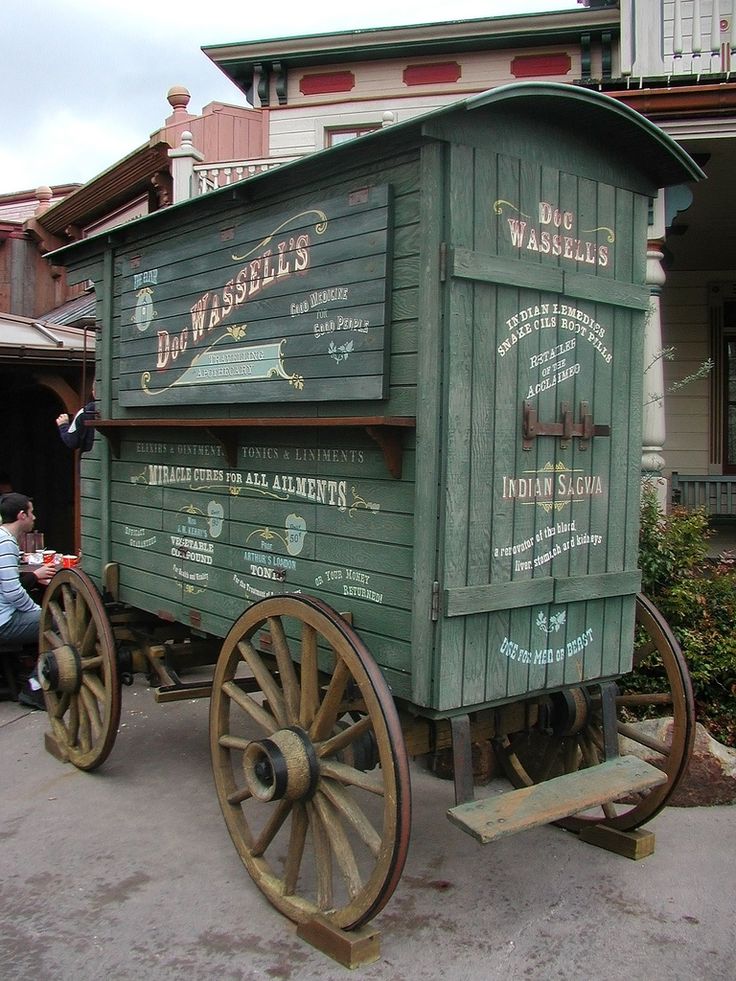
(653, 424)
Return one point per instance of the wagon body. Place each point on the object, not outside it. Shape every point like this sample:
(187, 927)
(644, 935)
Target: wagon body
(404, 376)
(374, 418)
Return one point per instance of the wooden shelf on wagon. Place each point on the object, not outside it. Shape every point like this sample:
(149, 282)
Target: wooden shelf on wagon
(384, 430)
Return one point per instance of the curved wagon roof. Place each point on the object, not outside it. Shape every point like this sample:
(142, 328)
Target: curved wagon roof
(649, 154)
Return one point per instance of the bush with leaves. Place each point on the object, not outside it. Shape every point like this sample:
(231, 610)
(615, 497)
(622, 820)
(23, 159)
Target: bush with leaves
(698, 598)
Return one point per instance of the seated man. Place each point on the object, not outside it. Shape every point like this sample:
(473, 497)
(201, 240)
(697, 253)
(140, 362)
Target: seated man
(20, 615)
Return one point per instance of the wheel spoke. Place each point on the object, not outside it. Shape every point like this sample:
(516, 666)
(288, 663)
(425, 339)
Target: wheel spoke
(82, 616)
(348, 776)
(587, 748)
(309, 677)
(331, 746)
(94, 684)
(297, 840)
(285, 665)
(266, 680)
(52, 638)
(62, 704)
(234, 742)
(635, 735)
(89, 639)
(340, 845)
(644, 699)
(239, 796)
(551, 755)
(570, 755)
(595, 734)
(85, 732)
(352, 813)
(322, 858)
(259, 715)
(59, 619)
(92, 710)
(73, 721)
(643, 651)
(70, 609)
(324, 720)
(280, 814)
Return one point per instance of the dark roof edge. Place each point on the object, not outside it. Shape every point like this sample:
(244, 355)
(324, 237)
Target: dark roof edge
(684, 168)
(98, 192)
(401, 34)
(560, 90)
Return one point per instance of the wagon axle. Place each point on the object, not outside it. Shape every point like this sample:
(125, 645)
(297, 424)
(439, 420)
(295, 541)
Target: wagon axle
(568, 711)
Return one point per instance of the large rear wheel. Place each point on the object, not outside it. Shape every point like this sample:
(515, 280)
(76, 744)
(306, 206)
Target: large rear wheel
(573, 736)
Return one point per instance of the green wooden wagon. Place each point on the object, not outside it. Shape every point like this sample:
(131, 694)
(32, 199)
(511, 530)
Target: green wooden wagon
(369, 445)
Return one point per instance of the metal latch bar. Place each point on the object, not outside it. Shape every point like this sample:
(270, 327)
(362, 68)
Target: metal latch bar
(565, 429)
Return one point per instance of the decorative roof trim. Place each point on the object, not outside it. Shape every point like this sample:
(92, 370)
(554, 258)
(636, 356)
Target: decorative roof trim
(106, 190)
(237, 60)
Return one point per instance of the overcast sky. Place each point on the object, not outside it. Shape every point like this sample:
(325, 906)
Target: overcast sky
(84, 82)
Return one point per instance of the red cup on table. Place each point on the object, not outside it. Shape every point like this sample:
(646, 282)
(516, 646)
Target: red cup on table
(49, 556)
(69, 561)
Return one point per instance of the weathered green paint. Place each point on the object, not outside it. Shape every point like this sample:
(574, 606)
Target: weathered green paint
(499, 256)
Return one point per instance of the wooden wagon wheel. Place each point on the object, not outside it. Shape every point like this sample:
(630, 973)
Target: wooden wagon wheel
(533, 756)
(309, 762)
(78, 669)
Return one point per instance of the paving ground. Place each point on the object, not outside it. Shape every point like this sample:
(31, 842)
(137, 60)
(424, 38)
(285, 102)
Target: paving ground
(129, 873)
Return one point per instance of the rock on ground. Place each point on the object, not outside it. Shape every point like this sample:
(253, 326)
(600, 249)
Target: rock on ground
(710, 777)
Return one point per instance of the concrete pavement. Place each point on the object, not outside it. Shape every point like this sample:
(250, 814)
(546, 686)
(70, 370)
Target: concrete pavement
(129, 873)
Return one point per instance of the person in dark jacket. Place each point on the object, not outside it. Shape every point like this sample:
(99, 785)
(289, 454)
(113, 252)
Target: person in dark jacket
(75, 434)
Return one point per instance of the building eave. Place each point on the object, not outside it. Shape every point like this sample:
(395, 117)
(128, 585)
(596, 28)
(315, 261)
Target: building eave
(26, 339)
(661, 99)
(118, 183)
(237, 59)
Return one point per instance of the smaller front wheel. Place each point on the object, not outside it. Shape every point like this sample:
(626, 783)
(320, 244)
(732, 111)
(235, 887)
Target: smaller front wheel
(77, 668)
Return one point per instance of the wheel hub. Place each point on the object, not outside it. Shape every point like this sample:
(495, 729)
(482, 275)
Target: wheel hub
(60, 670)
(570, 709)
(282, 767)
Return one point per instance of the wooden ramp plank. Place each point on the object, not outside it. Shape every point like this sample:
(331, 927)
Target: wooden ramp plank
(518, 810)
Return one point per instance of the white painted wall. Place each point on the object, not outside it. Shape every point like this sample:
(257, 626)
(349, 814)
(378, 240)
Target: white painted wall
(687, 412)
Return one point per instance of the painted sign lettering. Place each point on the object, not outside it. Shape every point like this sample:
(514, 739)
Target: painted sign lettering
(290, 306)
(551, 234)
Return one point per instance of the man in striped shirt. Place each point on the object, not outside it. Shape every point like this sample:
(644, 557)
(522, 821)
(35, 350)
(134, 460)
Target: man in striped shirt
(19, 613)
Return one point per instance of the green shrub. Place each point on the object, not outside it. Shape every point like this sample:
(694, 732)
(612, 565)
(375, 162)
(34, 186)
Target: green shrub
(698, 599)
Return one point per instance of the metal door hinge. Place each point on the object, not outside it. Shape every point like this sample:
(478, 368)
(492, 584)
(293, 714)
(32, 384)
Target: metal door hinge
(435, 600)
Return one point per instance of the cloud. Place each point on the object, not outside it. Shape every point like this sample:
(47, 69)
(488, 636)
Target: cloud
(84, 82)
(59, 145)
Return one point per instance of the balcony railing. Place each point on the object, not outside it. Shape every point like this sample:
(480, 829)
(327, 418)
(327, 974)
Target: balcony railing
(208, 177)
(677, 37)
